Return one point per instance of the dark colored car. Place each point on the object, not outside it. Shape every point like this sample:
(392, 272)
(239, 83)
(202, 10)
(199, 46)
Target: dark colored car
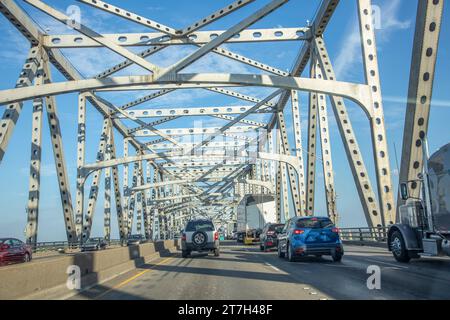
(310, 236)
(94, 244)
(135, 239)
(269, 236)
(13, 250)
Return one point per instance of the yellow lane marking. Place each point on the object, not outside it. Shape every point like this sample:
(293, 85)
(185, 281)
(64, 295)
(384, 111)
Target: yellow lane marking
(123, 283)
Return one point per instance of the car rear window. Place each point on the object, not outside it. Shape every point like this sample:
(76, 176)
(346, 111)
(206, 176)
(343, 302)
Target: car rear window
(276, 227)
(314, 223)
(199, 226)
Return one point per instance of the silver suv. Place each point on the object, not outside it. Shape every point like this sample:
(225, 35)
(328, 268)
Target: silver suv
(200, 235)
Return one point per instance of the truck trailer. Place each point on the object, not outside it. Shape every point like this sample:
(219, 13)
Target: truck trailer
(253, 212)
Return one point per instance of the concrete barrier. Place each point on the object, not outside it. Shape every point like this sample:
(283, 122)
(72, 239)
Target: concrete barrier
(46, 278)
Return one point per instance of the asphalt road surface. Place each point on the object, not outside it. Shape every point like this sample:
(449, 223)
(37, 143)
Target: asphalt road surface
(245, 273)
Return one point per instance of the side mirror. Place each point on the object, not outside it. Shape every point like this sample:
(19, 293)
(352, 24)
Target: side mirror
(404, 191)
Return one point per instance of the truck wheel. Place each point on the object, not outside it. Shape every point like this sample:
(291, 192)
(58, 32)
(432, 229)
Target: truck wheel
(398, 248)
(280, 253)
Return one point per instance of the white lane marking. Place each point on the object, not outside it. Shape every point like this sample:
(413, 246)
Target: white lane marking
(387, 263)
(273, 267)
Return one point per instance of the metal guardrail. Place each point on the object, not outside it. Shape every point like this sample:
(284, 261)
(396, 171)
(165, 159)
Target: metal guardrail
(56, 245)
(364, 234)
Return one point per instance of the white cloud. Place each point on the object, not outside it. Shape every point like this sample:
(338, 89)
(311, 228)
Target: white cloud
(349, 56)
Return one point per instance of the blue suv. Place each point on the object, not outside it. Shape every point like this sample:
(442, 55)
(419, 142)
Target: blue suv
(304, 236)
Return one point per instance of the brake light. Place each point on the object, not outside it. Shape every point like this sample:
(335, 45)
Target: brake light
(335, 230)
(216, 236)
(183, 236)
(299, 231)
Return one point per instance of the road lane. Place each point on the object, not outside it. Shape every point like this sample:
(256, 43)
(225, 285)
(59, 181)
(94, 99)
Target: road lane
(244, 272)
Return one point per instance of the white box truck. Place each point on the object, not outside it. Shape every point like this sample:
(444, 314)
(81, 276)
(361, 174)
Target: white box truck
(253, 212)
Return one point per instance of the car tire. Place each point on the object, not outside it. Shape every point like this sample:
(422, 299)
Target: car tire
(398, 248)
(337, 257)
(289, 253)
(26, 258)
(216, 252)
(280, 253)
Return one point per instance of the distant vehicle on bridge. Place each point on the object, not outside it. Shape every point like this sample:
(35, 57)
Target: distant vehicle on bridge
(13, 251)
(269, 236)
(136, 239)
(253, 213)
(200, 235)
(305, 236)
(424, 227)
(94, 244)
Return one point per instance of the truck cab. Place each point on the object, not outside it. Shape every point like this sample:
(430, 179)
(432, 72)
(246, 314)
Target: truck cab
(423, 226)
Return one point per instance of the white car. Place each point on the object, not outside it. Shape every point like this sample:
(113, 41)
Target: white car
(200, 236)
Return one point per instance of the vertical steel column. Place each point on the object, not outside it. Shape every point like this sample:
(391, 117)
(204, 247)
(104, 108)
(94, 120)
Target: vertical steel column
(285, 149)
(126, 190)
(35, 168)
(379, 139)
(107, 204)
(121, 219)
(138, 166)
(12, 111)
(95, 184)
(312, 138)
(363, 185)
(81, 154)
(132, 201)
(284, 182)
(425, 51)
(271, 149)
(296, 119)
(327, 162)
(148, 219)
(60, 161)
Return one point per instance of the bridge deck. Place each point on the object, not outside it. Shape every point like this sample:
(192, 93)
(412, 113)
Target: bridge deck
(246, 273)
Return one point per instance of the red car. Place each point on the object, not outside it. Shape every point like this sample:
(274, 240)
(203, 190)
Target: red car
(13, 251)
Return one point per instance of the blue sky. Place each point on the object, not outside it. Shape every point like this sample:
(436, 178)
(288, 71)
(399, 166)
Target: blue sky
(394, 38)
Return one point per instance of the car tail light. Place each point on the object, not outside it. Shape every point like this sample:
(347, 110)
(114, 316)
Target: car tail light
(299, 231)
(336, 230)
(216, 236)
(4, 247)
(183, 236)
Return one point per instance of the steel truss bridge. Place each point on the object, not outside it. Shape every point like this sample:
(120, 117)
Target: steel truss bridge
(165, 180)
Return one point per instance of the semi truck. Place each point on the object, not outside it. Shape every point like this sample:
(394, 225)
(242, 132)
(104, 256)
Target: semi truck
(253, 212)
(423, 227)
